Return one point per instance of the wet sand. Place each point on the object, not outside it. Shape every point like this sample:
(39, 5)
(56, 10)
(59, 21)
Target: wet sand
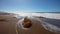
(36, 28)
(9, 27)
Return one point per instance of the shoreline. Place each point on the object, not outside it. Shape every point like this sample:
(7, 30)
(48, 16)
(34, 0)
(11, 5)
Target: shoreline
(9, 27)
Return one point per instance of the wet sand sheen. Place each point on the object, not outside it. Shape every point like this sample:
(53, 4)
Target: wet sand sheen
(8, 26)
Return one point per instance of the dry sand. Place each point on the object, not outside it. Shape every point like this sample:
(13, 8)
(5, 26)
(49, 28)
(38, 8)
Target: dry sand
(8, 26)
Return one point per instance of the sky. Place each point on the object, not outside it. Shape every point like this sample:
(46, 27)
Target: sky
(30, 5)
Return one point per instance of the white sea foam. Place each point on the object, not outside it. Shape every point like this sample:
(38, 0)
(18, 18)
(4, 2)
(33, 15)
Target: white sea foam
(48, 15)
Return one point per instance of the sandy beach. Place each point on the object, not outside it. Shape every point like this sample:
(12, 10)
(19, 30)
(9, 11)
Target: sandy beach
(8, 26)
